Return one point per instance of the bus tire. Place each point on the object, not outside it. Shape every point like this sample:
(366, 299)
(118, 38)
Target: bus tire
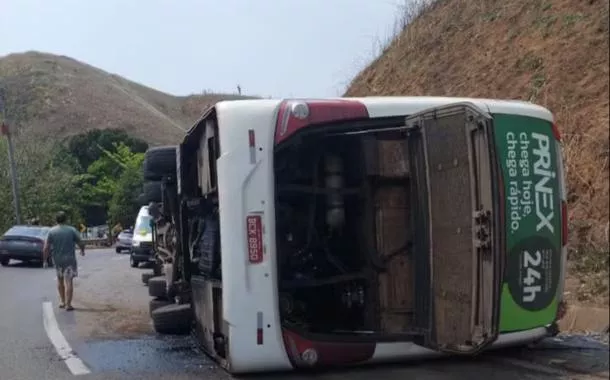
(159, 162)
(152, 191)
(157, 268)
(146, 277)
(157, 287)
(156, 303)
(172, 319)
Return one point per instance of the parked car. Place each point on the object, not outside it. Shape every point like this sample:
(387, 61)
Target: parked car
(23, 243)
(123, 241)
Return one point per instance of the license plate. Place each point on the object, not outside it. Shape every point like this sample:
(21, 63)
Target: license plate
(254, 233)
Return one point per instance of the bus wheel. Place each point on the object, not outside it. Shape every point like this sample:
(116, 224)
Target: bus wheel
(157, 268)
(157, 287)
(172, 319)
(146, 277)
(156, 303)
(152, 191)
(159, 162)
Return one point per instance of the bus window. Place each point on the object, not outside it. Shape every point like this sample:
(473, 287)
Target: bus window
(208, 153)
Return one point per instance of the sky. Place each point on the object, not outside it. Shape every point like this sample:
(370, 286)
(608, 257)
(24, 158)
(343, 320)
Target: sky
(278, 48)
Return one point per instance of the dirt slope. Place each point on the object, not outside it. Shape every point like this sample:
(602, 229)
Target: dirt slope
(63, 96)
(554, 53)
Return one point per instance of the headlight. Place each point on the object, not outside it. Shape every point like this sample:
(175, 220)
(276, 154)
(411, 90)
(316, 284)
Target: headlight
(135, 243)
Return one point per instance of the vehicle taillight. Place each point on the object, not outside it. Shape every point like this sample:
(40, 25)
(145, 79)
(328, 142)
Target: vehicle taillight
(562, 307)
(259, 328)
(304, 353)
(562, 186)
(556, 132)
(564, 223)
(296, 114)
(251, 138)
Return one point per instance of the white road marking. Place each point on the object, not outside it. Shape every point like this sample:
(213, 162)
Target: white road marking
(75, 365)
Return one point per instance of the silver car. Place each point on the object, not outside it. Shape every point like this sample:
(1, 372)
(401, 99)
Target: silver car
(123, 241)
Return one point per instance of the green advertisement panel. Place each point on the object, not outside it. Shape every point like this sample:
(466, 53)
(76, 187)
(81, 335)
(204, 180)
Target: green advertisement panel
(527, 153)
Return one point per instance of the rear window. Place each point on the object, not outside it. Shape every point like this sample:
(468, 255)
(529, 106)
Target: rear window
(29, 231)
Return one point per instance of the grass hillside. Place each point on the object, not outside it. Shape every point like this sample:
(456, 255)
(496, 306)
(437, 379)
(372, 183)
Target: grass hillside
(59, 96)
(554, 53)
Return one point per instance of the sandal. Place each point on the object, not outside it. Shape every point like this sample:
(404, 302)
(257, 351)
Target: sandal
(61, 305)
(69, 308)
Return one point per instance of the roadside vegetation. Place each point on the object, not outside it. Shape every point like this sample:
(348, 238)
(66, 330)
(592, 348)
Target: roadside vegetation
(95, 177)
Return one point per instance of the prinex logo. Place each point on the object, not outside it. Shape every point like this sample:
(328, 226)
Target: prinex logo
(544, 189)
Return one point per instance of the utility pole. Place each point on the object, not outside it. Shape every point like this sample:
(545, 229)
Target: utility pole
(5, 130)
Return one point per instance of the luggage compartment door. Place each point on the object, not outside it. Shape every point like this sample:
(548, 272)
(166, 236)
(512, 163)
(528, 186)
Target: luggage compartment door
(458, 181)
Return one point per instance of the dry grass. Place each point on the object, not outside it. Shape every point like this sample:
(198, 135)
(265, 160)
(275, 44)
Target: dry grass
(554, 53)
(70, 97)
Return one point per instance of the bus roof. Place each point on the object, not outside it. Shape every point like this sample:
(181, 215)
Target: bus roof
(377, 106)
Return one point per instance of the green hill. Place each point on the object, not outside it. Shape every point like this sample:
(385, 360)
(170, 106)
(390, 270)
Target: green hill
(60, 97)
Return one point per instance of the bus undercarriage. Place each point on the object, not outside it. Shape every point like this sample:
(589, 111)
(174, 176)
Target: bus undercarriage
(345, 238)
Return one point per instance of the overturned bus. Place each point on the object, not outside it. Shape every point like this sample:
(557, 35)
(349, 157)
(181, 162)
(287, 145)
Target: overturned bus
(331, 232)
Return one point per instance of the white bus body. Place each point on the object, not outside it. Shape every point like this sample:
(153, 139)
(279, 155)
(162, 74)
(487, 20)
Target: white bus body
(238, 318)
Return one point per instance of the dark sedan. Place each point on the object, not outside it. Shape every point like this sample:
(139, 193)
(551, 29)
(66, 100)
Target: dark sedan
(23, 243)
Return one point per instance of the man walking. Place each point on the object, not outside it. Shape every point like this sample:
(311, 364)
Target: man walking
(60, 244)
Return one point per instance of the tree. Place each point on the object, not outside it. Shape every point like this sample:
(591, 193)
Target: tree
(103, 179)
(123, 206)
(119, 174)
(51, 178)
(86, 147)
(46, 185)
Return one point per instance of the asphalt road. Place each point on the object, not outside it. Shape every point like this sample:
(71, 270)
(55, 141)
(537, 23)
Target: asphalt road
(109, 336)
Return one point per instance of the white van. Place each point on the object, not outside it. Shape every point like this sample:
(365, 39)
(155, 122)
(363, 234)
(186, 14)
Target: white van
(327, 232)
(142, 241)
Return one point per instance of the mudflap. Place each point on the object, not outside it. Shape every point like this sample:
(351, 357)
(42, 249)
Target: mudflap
(457, 181)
